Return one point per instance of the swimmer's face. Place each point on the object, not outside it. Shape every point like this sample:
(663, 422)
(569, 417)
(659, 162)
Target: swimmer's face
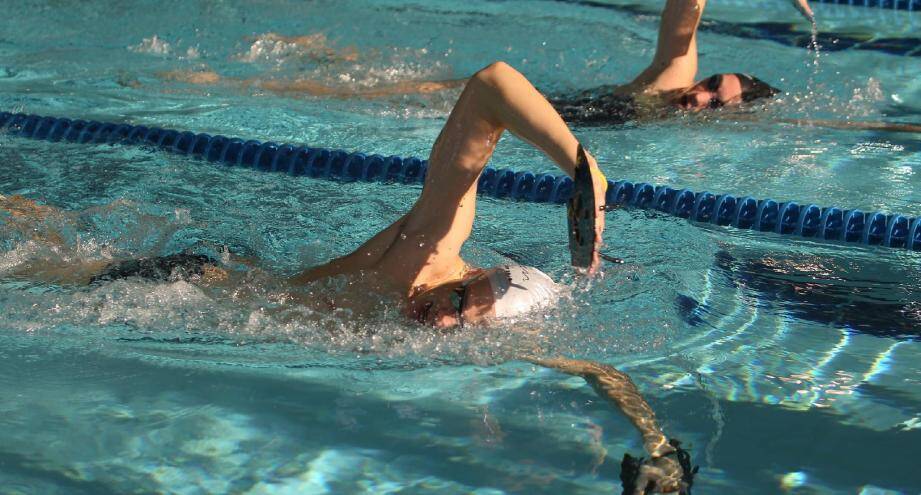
(716, 91)
(452, 304)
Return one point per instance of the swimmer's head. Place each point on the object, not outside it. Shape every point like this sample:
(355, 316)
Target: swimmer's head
(500, 292)
(723, 90)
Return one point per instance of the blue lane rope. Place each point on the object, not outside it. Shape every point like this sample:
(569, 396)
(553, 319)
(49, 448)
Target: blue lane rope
(909, 5)
(742, 212)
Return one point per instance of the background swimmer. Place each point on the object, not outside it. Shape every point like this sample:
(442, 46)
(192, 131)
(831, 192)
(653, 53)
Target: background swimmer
(666, 84)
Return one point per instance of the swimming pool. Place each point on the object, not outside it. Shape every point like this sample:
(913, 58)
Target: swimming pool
(784, 364)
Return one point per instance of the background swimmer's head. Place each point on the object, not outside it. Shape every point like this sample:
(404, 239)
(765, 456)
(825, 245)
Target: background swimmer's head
(721, 90)
(504, 291)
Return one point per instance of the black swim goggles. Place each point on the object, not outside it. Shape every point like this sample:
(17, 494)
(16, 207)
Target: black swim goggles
(713, 85)
(630, 470)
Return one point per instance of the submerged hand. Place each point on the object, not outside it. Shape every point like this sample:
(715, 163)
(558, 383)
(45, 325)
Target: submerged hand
(664, 473)
(803, 7)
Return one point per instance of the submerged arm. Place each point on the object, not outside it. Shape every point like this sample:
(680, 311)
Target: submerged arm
(663, 470)
(617, 387)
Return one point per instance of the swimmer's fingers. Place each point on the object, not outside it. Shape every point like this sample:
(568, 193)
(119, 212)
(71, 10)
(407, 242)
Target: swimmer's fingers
(585, 219)
(803, 7)
(600, 187)
(611, 259)
(663, 474)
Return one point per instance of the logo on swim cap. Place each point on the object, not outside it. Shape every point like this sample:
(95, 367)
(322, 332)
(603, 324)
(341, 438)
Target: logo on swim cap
(518, 289)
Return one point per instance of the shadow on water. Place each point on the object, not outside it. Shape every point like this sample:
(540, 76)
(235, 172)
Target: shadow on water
(865, 296)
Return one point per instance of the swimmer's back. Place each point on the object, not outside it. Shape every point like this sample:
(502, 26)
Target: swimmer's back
(595, 107)
(181, 266)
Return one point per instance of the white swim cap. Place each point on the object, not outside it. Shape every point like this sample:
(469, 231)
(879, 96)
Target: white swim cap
(518, 289)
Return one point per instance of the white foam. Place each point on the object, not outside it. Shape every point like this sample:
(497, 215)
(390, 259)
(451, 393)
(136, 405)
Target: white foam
(153, 45)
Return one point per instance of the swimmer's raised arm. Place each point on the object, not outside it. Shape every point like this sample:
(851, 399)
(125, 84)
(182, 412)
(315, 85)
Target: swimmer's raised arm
(662, 469)
(496, 99)
(675, 62)
(422, 249)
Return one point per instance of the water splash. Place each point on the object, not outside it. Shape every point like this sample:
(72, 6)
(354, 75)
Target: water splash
(814, 46)
(153, 45)
(812, 81)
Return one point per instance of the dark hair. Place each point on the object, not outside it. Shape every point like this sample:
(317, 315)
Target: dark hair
(755, 89)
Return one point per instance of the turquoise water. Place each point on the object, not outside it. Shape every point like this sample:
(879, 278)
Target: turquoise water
(785, 365)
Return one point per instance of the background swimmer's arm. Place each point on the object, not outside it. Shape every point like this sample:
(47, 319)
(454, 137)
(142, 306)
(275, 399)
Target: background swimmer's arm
(60, 272)
(847, 124)
(803, 7)
(313, 88)
(674, 65)
(835, 124)
(25, 216)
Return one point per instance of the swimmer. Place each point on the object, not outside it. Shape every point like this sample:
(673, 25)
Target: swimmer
(418, 256)
(22, 218)
(667, 84)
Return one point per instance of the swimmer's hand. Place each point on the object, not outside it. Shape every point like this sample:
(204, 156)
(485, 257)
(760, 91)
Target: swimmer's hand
(803, 7)
(600, 186)
(586, 213)
(662, 474)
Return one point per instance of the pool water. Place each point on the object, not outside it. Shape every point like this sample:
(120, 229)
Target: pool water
(785, 365)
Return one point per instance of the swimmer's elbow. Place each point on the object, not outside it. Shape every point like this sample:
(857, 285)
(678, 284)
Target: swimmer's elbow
(495, 73)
